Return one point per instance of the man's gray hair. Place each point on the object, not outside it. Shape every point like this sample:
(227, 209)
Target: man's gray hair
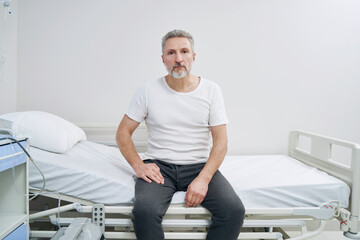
(177, 33)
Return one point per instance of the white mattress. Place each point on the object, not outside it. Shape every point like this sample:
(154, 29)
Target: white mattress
(100, 174)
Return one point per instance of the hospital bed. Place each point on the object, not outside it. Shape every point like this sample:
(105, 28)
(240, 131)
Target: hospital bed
(278, 191)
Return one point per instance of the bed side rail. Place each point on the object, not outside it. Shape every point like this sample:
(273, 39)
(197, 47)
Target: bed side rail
(318, 152)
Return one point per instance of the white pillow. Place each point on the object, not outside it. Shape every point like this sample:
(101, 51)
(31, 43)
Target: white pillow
(44, 130)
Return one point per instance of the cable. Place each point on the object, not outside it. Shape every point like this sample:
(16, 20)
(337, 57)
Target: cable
(44, 179)
(87, 233)
(32, 160)
(59, 204)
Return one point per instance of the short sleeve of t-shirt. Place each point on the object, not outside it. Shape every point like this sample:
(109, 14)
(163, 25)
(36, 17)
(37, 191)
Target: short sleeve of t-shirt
(217, 109)
(137, 109)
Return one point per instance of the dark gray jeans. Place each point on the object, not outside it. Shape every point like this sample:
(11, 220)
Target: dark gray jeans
(152, 201)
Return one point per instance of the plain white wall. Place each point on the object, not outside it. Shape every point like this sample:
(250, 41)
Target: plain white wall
(8, 72)
(281, 64)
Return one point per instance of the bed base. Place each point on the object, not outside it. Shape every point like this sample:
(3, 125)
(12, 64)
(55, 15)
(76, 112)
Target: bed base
(191, 224)
(317, 154)
(170, 235)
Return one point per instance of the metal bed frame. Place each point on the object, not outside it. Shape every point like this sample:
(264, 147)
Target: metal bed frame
(191, 223)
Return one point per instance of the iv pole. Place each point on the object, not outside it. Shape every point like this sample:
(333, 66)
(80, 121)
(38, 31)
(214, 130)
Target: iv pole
(5, 11)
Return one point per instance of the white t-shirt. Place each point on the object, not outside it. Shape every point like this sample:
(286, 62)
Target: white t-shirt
(178, 123)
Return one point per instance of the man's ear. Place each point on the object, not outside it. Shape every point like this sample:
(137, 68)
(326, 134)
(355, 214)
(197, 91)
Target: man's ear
(162, 57)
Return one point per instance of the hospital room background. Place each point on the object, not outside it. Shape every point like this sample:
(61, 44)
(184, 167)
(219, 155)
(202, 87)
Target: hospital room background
(282, 65)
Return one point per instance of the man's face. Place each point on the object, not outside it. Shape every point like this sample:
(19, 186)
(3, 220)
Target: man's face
(178, 57)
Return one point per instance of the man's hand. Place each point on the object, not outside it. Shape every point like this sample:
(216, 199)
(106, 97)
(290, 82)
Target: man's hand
(148, 172)
(196, 192)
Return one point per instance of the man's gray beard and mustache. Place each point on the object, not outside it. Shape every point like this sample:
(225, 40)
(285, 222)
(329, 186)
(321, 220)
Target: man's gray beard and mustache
(180, 73)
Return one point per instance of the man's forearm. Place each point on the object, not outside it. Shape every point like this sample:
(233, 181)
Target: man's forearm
(216, 157)
(198, 188)
(217, 153)
(128, 150)
(148, 172)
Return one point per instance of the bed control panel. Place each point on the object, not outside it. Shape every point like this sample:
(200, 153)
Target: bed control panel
(98, 216)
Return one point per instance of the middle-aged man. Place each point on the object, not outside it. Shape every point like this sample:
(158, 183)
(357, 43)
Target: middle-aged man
(180, 111)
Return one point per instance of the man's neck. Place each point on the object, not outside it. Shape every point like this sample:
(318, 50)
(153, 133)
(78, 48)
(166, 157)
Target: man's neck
(185, 84)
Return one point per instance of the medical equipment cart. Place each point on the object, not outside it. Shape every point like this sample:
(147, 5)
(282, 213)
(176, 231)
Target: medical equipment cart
(14, 207)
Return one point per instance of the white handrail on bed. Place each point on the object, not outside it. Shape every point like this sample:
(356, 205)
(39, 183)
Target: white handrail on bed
(320, 156)
(320, 212)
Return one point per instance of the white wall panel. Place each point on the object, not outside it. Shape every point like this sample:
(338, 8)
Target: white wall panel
(281, 64)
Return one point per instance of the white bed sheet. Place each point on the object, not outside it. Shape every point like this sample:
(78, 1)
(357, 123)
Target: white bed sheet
(100, 174)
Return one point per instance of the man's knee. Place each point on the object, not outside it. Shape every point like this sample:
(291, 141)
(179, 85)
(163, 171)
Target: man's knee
(233, 211)
(238, 212)
(146, 210)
